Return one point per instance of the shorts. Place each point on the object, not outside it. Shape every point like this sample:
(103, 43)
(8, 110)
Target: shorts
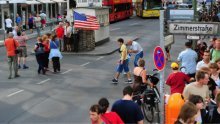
(8, 30)
(43, 21)
(123, 66)
(23, 52)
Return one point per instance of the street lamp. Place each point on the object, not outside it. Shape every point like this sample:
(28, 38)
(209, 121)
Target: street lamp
(195, 9)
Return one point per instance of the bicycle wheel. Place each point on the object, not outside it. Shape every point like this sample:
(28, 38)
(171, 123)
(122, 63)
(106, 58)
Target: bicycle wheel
(148, 112)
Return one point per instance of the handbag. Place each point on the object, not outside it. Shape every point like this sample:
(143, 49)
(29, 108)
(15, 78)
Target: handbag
(40, 49)
(17, 50)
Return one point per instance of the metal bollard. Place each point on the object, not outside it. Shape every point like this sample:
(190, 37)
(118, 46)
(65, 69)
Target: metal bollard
(2, 31)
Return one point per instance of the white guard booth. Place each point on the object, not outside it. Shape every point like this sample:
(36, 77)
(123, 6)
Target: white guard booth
(102, 15)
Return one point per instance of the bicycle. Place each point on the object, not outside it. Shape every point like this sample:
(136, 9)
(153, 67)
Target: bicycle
(149, 98)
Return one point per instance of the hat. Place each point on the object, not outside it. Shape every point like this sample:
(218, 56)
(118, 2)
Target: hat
(174, 65)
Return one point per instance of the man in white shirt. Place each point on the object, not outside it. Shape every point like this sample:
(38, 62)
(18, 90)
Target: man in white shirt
(8, 24)
(188, 59)
(205, 61)
(135, 48)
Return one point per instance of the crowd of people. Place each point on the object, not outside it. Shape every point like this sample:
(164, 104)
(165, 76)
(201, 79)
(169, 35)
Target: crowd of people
(199, 84)
(210, 15)
(123, 111)
(200, 78)
(47, 47)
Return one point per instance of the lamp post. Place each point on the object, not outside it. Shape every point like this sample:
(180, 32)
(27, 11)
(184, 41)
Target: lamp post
(195, 9)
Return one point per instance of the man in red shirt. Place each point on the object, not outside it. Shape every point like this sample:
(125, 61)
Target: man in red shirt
(176, 80)
(11, 45)
(60, 34)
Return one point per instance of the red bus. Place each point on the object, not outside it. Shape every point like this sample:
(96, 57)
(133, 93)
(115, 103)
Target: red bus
(118, 9)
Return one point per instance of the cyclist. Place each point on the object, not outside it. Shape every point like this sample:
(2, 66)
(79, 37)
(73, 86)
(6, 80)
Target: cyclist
(140, 77)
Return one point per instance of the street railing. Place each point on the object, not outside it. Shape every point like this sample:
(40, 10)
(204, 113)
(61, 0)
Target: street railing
(2, 35)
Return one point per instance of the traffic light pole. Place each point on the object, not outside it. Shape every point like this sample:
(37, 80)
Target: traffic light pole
(162, 45)
(195, 9)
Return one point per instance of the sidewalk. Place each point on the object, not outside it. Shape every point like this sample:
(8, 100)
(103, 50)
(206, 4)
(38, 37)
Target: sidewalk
(104, 49)
(29, 34)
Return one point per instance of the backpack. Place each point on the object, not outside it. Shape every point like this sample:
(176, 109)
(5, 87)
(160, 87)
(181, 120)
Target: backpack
(40, 49)
(211, 109)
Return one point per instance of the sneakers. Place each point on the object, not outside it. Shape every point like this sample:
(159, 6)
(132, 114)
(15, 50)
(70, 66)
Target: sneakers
(114, 81)
(17, 76)
(129, 81)
(25, 67)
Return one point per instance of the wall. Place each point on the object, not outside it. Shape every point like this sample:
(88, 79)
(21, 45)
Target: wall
(103, 32)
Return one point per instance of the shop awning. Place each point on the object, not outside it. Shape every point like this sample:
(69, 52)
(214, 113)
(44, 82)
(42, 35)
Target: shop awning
(60, 1)
(32, 2)
(3, 2)
(46, 1)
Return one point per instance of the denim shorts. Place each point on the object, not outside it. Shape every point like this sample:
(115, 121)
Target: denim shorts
(123, 66)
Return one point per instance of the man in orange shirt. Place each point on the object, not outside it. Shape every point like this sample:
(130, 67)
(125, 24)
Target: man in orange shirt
(11, 45)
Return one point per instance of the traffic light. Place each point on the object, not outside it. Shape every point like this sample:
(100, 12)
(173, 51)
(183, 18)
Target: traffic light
(166, 27)
(72, 4)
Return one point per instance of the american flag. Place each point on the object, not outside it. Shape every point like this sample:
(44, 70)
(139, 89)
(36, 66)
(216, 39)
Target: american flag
(85, 21)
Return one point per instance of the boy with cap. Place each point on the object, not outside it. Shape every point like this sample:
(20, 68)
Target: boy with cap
(176, 80)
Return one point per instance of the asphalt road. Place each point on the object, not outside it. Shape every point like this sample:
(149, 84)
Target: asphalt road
(66, 97)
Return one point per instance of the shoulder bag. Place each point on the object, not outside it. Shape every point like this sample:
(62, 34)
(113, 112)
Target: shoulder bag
(17, 50)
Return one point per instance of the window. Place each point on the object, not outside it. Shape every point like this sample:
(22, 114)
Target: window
(84, 1)
(103, 19)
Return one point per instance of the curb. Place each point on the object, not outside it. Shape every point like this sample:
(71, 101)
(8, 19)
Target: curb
(94, 54)
(87, 53)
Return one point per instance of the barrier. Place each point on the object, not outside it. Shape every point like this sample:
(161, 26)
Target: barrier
(172, 108)
(2, 34)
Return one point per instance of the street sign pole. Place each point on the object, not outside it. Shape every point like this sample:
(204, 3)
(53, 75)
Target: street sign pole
(162, 71)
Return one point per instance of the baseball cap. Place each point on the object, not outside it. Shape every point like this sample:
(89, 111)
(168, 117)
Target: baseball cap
(174, 65)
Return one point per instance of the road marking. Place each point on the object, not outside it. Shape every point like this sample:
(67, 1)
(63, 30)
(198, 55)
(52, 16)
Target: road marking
(85, 64)
(67, 71)
(114, 29)
(12, 94)
(44, 81)
(134, 24)
(100, 58)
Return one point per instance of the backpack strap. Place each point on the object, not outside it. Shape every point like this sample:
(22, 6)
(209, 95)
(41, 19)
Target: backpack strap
(211, 51)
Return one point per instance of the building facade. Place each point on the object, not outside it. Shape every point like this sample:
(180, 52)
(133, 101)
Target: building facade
(26, 7)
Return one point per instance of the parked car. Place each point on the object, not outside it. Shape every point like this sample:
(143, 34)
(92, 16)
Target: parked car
(183, 6)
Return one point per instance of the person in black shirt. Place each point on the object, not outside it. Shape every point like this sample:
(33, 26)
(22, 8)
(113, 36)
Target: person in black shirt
(215, 119)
